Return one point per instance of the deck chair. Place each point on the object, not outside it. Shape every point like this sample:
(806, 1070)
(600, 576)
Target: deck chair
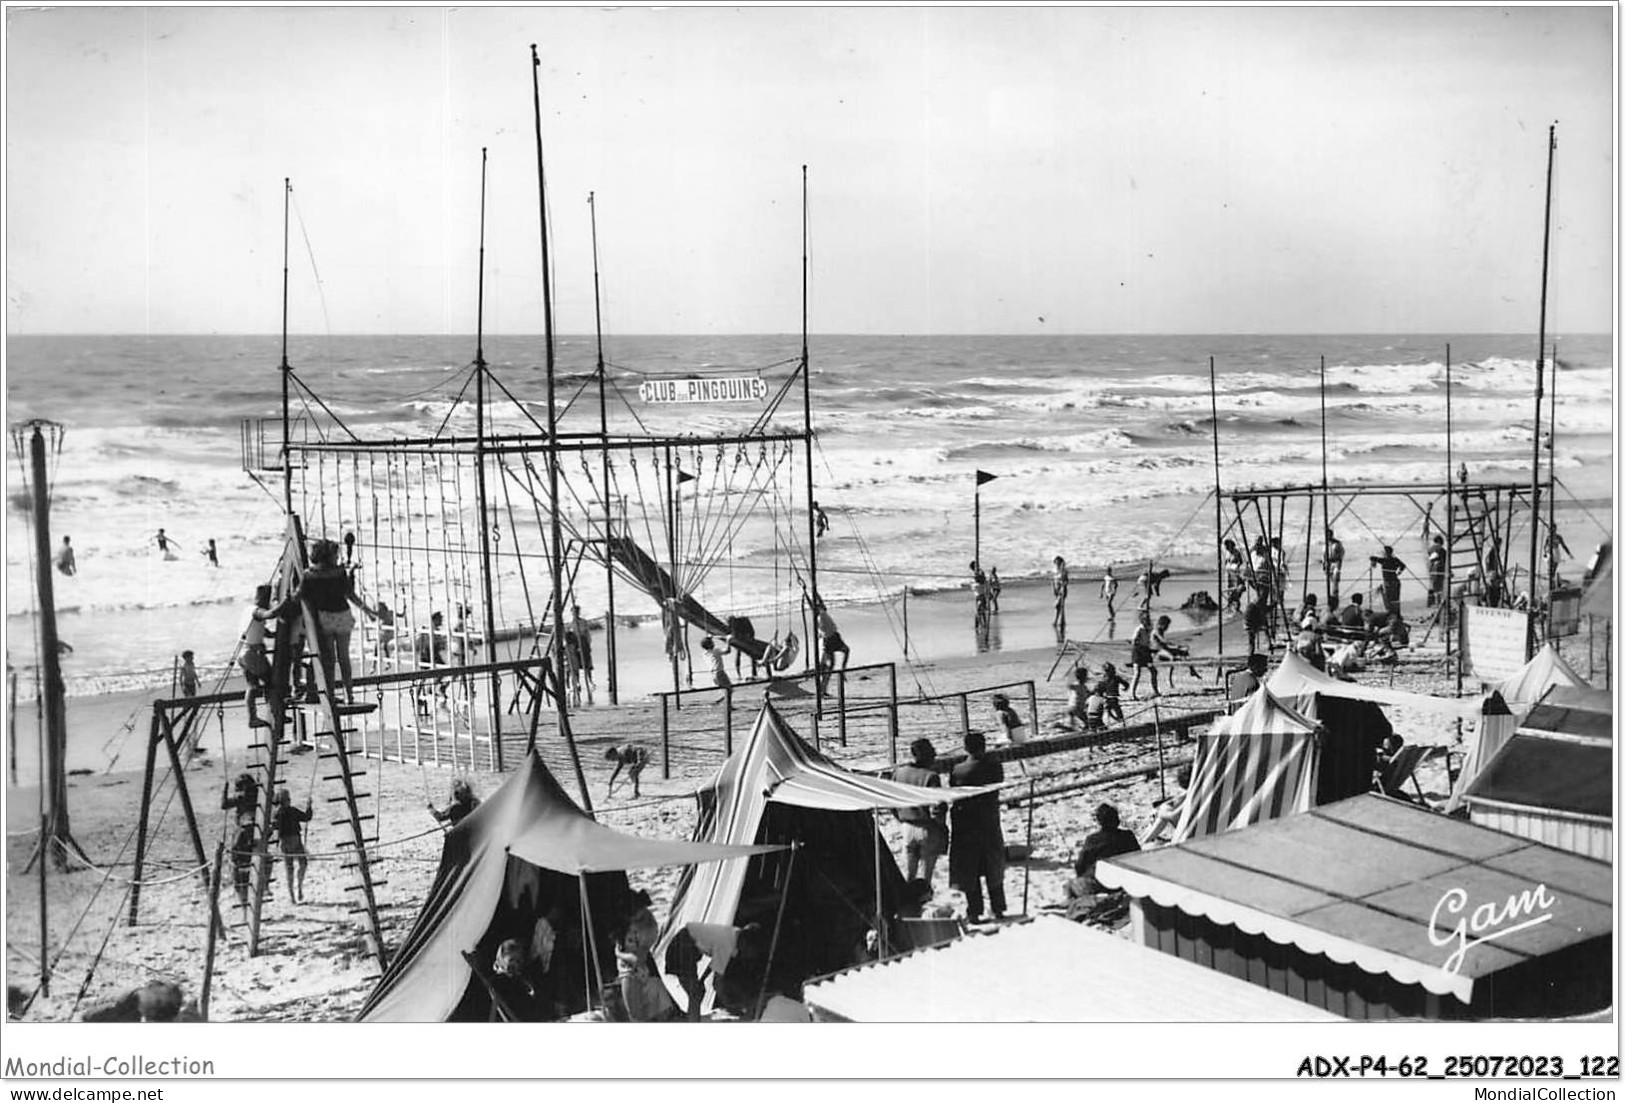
(1401, 770)
(501, 1010)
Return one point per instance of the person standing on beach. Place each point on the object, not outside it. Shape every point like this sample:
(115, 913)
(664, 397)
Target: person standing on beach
(1142, 656)
(1333, 562)
(1108, 592)
(716, 649)
(64, 559)
(993, 588)
(583, 637)
(925, 830)
(976, 851)
(289, 824)
(820, 520)
(830, 636)
(211, 555)
(1392, 567)
(163, 545)
(1436, 564)
(978, 585)
(1059, 587)
(189, 678)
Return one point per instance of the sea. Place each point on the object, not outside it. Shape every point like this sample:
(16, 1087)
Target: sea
(929, 452)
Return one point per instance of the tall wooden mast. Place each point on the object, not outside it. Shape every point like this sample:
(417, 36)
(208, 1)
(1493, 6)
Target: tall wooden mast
(555, 552)
(1540, 375)
(487, 594)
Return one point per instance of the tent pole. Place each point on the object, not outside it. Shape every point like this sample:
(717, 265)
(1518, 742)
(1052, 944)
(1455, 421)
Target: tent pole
(881, 949)
(778, 921)
(1218, 507)
(1027, 862)
(589, 949)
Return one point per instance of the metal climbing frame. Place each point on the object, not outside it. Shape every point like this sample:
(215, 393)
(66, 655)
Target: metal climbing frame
(1483, 524)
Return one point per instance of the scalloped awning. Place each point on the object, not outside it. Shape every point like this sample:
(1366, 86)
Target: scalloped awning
(1386, 886)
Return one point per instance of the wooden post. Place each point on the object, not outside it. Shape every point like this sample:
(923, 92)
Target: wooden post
(146, 811)
(665, 737)
(964, 714)
(186, 800)
(891, 709)
(728, 721)
(840, 705)
(44, 922)
(11, 722)
(214, 925)
(53, 768)
(1027, 863)
(1032, 709)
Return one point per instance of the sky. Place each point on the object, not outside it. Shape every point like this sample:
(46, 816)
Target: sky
(968, 170)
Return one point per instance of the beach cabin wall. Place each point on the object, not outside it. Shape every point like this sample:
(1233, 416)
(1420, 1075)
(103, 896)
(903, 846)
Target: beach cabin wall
(1591, 836)
(1570, 981)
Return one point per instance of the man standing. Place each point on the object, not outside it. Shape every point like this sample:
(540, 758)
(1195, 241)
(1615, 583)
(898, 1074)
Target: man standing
(1059, 588)
(64, 558)
(1334, 569)
(976, 851)
(925, 833)
(1392, 567)
(1436, 561)
(582, 633)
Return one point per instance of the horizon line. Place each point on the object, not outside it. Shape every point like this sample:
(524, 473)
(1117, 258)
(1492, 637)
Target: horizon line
(833, 333)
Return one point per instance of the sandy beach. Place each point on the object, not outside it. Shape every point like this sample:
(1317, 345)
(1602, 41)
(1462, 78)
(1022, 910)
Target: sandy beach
(312, 964)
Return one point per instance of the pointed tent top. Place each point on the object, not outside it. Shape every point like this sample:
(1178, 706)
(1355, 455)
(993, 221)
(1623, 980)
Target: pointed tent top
(1264, 714)
(1296, 678)
(1529, 684)
(791, 772)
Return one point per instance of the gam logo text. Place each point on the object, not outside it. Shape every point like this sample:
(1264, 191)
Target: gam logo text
(1451, 924)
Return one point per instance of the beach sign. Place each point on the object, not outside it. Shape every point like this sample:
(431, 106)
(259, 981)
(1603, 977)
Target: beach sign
(1493, 642)
(738, 388)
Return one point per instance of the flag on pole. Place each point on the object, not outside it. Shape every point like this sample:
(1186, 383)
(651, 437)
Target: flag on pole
(683, 477)
(984, 477)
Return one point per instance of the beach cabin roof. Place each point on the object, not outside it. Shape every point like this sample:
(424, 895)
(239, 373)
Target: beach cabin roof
(1569, 712)
(1534, 772)
(529, 818)
(1381, 885)
(1047, 970)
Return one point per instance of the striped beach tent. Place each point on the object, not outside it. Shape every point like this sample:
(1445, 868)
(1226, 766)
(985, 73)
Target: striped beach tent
(1257, 764)
(828, 892)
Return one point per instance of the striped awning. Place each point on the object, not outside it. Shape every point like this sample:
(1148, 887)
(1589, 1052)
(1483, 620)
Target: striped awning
(1257, 764)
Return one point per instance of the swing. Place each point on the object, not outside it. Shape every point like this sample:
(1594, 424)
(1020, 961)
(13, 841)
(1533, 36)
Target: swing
(786, 654)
